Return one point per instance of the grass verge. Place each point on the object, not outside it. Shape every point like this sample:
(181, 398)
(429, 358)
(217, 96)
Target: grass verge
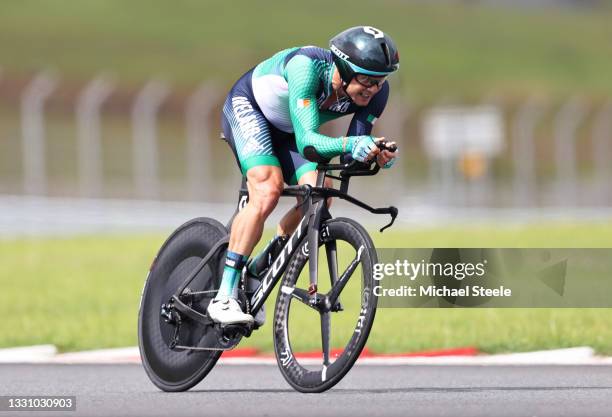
(83, 293)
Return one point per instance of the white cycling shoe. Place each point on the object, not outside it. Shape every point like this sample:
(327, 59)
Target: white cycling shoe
(228, 311)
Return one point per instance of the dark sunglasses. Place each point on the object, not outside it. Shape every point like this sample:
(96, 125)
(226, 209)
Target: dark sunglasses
(368, 81)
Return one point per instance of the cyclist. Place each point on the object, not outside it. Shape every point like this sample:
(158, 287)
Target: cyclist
(272, 114)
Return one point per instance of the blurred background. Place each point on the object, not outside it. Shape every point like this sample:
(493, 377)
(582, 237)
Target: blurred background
(498, 104)
(110, 121)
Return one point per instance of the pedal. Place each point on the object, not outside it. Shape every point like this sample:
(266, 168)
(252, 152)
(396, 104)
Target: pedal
(232, 330)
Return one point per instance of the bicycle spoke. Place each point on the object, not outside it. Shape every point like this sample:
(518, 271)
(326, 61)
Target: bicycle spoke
(325, 328)
(334, 293)
(298, 294)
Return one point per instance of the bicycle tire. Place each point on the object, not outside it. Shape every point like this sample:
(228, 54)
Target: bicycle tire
(168, 369)
(295, 373)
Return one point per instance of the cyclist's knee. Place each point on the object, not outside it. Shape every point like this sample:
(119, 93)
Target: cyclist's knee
(309, 177)
(265, 185)
(265, 197)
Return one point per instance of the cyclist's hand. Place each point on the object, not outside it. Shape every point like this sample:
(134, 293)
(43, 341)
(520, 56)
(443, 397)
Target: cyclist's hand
(363, 148)
(386, 158)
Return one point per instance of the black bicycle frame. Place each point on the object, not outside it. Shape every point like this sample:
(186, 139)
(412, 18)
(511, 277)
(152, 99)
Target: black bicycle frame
(316, 212)
(314, 206)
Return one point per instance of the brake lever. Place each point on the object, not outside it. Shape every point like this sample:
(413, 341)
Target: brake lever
(393, 212)
(382, 146)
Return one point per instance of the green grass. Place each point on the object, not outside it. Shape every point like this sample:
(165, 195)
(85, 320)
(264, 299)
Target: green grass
(464, 49)
(83, 293)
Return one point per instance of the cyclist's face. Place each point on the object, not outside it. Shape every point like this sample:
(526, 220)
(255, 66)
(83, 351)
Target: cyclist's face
(362, 88)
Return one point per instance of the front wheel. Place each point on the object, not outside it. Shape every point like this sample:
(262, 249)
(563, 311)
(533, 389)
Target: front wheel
(336, 329)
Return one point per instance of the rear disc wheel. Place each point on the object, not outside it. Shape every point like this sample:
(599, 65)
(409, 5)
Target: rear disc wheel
(180, 369)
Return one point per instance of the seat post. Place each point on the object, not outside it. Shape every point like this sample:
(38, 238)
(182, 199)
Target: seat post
(243, 199)
(243, 194)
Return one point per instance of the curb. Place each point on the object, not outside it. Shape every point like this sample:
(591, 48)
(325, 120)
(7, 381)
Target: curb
(250, 356)
(29, 354)
(101, 356)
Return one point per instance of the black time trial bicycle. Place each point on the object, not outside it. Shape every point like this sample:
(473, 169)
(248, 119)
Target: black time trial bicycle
(179, 344)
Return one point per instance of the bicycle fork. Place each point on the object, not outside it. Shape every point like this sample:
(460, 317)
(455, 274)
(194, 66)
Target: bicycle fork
(318, 206)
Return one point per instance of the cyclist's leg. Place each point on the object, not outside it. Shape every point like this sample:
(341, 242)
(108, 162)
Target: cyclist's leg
(296, 170)
(248, 134)
(265, 185)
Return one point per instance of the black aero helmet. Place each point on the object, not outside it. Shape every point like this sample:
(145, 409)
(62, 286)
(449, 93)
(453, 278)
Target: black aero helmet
(364, 50)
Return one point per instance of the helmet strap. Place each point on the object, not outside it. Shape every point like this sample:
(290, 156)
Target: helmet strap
(344, 85)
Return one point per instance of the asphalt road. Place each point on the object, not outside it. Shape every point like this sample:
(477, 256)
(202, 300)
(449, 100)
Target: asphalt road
(124, 390)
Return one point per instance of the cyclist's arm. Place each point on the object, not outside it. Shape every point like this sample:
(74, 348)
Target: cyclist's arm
(303, 82)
